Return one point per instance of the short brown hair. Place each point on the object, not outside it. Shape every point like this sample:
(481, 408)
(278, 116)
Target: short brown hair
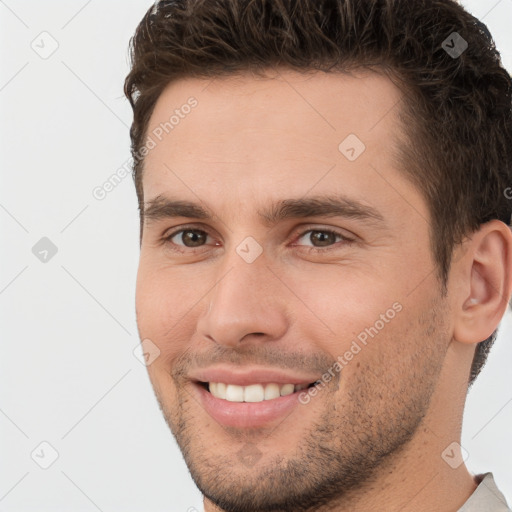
(457, 108)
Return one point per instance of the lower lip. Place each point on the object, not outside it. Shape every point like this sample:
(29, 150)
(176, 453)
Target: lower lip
(247, 414)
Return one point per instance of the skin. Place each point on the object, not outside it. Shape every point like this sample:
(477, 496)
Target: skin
(373, 436)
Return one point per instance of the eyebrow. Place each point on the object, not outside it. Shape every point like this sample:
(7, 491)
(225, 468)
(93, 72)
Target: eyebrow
(162, 207)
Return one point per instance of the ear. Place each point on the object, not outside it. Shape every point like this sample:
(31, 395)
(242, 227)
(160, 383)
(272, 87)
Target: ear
(485, 270)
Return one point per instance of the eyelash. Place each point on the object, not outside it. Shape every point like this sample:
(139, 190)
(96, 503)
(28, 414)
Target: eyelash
(347, 241)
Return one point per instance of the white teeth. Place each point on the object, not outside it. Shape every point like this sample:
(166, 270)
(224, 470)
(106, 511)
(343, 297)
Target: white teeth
(221, 390)
(253, 392)
(234, 393)
(287, 389)
(272, 391)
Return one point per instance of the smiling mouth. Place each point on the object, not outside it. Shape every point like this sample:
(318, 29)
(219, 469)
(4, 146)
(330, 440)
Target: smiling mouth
(253, 392)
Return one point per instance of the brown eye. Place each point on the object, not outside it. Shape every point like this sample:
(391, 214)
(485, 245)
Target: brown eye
(188, 238)
(322, 237)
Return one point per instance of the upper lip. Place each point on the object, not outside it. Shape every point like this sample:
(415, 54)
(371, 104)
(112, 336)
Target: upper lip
(244, 376)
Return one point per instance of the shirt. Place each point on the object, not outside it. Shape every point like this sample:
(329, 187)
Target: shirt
(486, 497)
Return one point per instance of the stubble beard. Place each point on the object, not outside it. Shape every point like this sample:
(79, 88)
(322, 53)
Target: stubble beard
(347, 446)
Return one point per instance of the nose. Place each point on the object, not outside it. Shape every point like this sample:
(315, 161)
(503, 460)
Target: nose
(246, 303)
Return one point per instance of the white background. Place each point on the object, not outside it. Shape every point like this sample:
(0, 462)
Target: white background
(68, 374)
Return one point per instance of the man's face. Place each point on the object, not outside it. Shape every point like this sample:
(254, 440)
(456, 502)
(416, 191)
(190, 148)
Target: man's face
(278, 298)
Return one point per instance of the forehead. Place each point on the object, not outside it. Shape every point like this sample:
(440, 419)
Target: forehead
(289, 129)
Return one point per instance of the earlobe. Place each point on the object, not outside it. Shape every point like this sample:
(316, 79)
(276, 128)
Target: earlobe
(488, 267)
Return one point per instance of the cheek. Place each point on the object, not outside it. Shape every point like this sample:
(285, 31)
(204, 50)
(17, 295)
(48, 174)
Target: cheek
(346, 305)
(164, 313)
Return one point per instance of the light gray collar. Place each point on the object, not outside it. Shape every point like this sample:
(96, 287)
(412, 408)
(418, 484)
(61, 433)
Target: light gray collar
(486, 498)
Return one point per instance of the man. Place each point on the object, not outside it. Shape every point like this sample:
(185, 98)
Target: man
(325, 245)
